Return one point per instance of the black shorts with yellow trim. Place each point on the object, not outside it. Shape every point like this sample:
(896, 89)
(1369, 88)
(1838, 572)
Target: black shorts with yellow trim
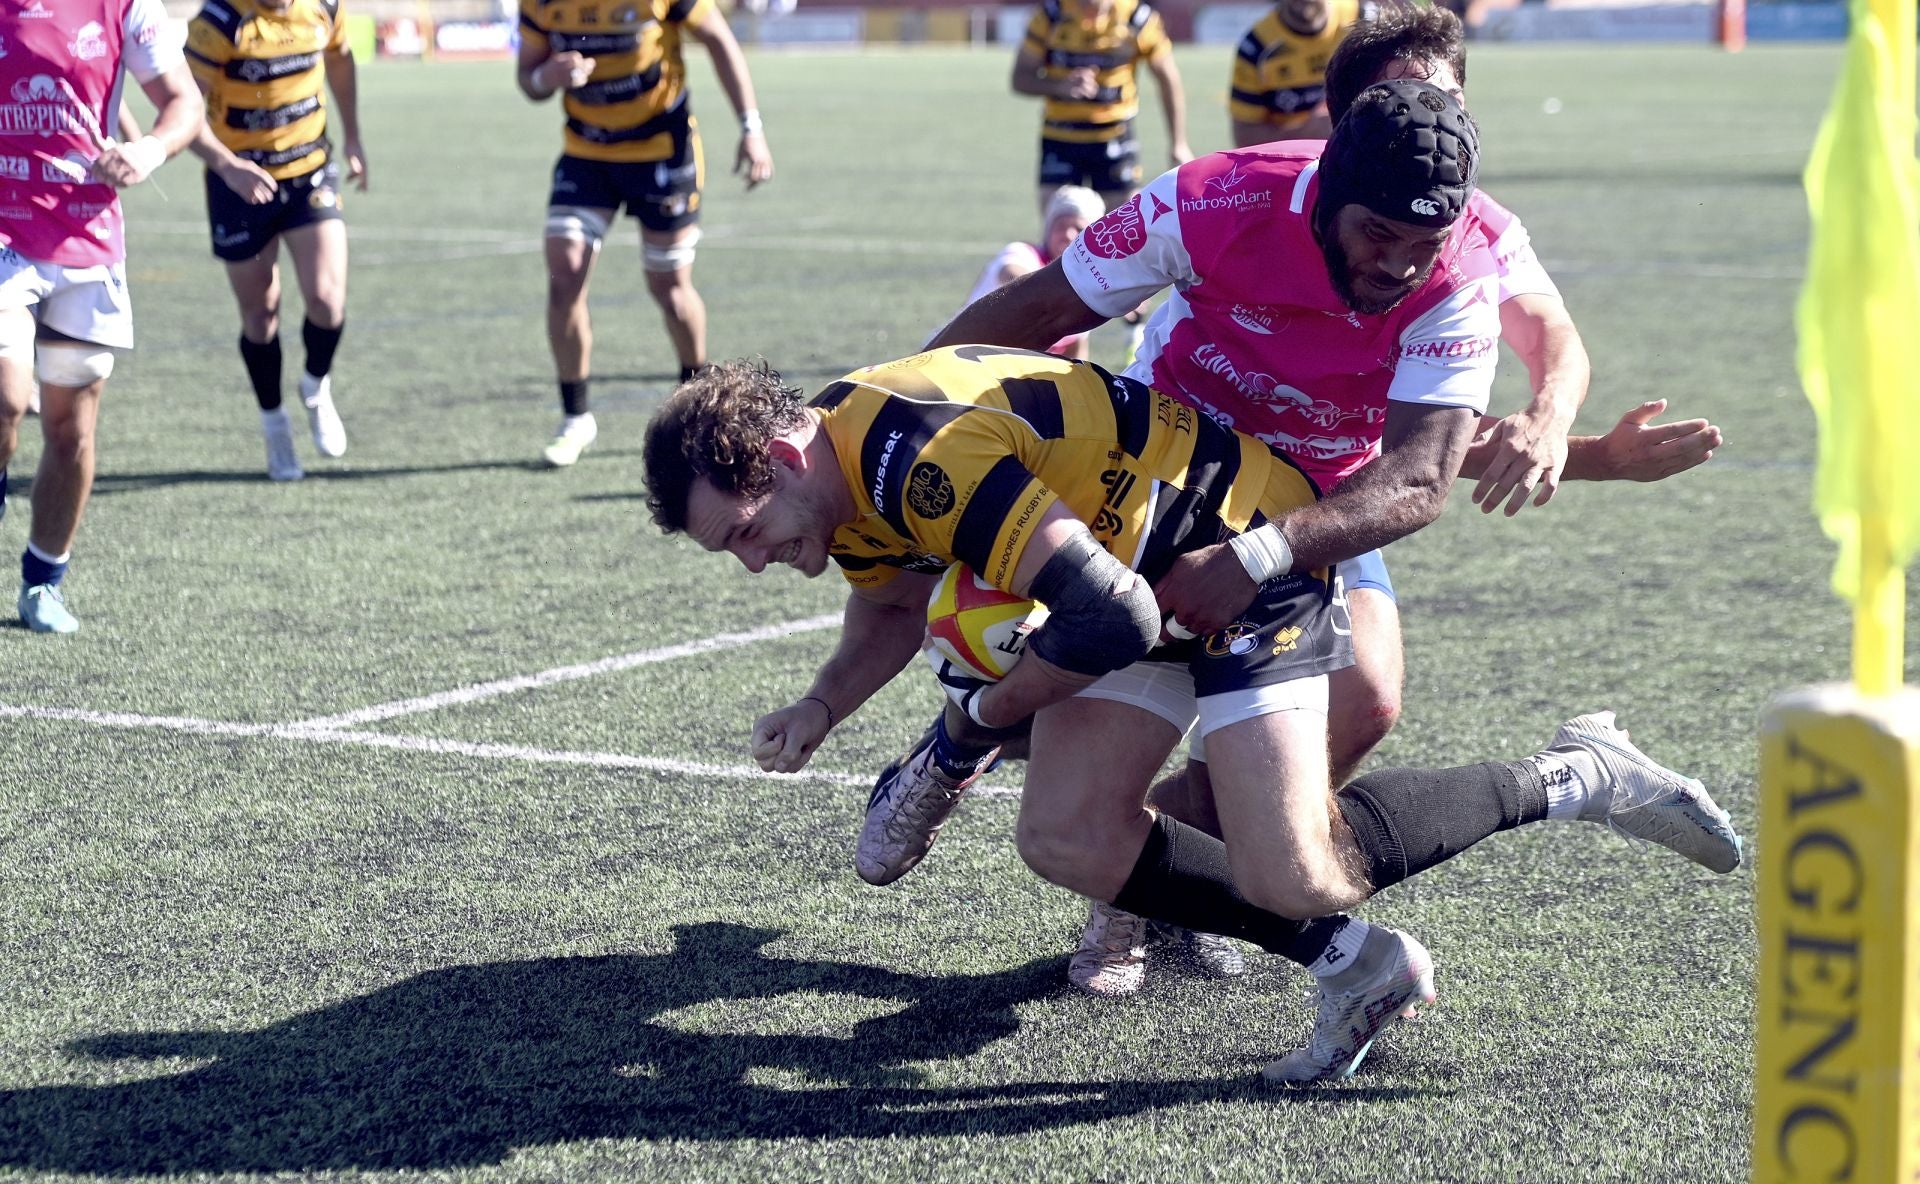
(1296, 627)
(241, 230)
(1105, 166)
(662, 194)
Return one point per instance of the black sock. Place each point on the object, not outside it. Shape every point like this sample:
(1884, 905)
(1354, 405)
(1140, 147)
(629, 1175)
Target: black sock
(320, 344)
(1182, 878)
(573, 397)
(263, 369)
(1408, 820)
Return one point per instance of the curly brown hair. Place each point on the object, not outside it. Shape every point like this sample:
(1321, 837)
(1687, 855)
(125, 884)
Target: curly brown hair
(718, 425)
(1398, 34)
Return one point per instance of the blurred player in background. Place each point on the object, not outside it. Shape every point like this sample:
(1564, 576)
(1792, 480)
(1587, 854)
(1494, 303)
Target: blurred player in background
(1082, 57)
(1280, 69)
(1069, 211)
(631, 140)
(265, 67)
(64, 308)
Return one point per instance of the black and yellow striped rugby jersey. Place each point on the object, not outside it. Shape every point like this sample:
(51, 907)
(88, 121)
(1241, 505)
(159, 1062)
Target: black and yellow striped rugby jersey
(957, 454)
(1280, 73)
(634, 102)
(1070, 35)
(265, 79)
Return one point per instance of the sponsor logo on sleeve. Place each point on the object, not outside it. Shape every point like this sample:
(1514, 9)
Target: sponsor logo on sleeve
(1119, 233)
(1225, 192)
(1459, 347)
(1159, 208)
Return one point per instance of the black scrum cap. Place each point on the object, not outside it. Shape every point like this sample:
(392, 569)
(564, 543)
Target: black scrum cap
(1405, 150)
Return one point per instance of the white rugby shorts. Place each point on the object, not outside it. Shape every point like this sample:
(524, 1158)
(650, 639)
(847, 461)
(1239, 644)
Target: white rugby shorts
(85, 303)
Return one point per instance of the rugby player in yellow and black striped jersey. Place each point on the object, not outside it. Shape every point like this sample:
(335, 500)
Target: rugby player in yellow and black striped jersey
(1054, 480)
(1082, 56)
(271, 175)
(1279, 89)
(631, 140)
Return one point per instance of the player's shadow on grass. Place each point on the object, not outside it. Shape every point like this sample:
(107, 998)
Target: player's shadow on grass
(460, 1067)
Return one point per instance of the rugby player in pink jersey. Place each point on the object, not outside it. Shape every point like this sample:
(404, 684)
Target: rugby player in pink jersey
(1292, 275)
(63, 286)
(1521, 460)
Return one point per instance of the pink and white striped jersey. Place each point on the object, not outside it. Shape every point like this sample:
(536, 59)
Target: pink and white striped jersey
(60, 79)
(1254, 333)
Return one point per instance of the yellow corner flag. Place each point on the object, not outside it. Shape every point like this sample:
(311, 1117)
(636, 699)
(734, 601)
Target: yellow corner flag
(1859, 327)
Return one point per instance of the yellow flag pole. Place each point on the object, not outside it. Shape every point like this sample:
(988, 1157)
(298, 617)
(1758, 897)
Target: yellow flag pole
(1837, 897)
(1879, 615)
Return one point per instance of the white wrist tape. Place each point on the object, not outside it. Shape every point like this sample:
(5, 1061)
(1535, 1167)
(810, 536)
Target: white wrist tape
(146, 154)
(1263, 552)
(750, 121)
(970, 703)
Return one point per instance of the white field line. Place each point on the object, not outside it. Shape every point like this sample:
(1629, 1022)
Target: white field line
(428, 744)
(547, 678)
(497, 752)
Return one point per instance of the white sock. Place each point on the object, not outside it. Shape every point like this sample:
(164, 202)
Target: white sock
(43, 557)
(567, 422)
(1571, 775)
(1342, 950)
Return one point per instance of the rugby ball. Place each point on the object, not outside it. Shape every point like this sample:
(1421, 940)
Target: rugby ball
(981, 630)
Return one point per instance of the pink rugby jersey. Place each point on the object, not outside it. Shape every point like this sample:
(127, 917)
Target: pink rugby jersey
(1253, 332)
(59, 97)
(1519, 268)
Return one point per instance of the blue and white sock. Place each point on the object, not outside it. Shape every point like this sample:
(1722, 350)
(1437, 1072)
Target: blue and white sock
(37, 567)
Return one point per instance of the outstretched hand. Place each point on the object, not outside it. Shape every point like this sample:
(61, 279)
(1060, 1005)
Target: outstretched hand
(1637, 449)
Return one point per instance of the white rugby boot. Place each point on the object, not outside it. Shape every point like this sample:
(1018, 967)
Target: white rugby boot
(1111, 960)
(283, 464)
(576, 432)
(329, 434)
(910, 803)
(1391, 976)
(1650, 801)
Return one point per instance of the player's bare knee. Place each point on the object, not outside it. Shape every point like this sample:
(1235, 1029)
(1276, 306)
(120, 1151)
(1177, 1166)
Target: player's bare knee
(328, 307)
(1053, 853)
(260, 326)
(16, 368)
